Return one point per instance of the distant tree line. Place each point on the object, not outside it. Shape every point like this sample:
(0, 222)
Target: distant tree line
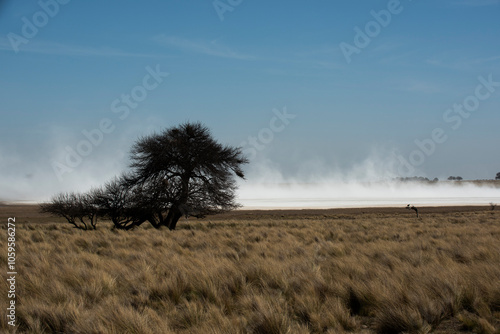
(182, 171)
(425, 179)
(416, 179)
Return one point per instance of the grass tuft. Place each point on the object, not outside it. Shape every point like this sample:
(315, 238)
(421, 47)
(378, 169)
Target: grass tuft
(263, 273)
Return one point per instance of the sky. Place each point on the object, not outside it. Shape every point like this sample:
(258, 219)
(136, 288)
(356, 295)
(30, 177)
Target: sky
(349, 89)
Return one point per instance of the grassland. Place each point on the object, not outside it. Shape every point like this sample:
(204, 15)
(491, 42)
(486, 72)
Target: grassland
(319, 271)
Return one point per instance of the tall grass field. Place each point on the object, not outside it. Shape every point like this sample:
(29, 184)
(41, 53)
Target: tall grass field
(317, 271)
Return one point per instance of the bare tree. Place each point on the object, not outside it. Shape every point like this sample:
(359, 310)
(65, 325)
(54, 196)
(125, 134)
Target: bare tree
(78, 209)
(183, 170)
(115, 201)
(88, 208)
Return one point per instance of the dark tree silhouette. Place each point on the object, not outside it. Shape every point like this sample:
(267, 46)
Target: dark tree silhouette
(118, 202)
(79, 210)
(498, 176)
(181, 171)
(184, 171)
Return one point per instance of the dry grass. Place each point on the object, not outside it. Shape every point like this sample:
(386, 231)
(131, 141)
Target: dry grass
(308, 272)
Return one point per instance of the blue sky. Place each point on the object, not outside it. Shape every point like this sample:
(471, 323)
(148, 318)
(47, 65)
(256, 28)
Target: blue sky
(235, 68)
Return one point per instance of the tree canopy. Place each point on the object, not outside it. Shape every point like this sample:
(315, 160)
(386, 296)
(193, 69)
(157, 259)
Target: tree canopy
(191, 172)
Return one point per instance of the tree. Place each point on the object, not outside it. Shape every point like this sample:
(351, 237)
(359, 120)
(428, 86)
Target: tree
(115, 202)
(184, 171)
(79, 210)
(497, 177)
(128, 205)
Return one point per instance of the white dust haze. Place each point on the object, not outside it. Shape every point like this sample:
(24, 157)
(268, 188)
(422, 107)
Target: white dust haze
(372, 183)
(269, 184)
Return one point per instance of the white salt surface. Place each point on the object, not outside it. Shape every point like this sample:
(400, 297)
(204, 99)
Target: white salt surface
(348, 195)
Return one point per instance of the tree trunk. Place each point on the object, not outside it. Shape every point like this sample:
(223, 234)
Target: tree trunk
(155, 221)
(84, 224)
(93, 221)
(174, 214)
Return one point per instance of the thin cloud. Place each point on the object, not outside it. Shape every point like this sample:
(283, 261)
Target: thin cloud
(212, 48)
(463, 63)
(52, 48)
(326, 57)
(216, 49)
(420, 87)
(485, 60)
(476, 3)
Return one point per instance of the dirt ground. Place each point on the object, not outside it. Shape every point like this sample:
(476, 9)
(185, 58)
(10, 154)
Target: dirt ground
(29, 213)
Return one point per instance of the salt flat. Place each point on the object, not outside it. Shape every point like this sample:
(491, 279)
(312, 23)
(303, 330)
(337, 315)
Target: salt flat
(357, 194)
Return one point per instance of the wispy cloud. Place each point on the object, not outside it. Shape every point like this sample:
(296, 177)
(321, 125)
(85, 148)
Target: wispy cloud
(326, 57)
(464, 64)
(419, 87)
(209, 48)
(485, 60)
(476, 3)
(53, 48)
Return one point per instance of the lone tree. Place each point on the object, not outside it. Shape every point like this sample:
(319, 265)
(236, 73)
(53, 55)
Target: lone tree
(183, 171)
(498, 176)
